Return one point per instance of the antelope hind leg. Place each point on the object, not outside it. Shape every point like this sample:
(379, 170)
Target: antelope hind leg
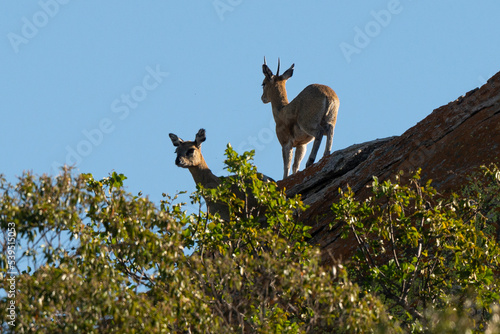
(329, 139)
(300, 151)
(314, 150)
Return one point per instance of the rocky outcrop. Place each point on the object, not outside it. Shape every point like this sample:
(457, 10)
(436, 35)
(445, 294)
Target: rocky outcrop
(449, 144)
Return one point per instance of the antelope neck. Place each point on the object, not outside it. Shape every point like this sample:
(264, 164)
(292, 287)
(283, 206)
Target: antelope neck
(202, 174)
(279, 100)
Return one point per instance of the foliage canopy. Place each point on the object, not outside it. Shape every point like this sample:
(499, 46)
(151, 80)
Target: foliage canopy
(419, 252)
(93, 258)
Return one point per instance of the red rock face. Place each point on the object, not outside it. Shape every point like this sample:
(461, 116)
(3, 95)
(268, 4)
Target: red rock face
(449, 144)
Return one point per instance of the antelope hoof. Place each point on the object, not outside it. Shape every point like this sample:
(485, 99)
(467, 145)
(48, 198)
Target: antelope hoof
(309, 162)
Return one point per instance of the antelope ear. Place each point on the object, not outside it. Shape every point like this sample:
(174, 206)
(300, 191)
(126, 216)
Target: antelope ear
(200, 137)
(175, 140)
(267, 71)
(288, 73)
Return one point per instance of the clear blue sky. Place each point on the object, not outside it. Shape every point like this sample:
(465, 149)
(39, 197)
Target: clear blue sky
(100, 84)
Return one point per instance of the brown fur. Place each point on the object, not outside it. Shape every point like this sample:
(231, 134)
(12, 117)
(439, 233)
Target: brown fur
(311, 115)
(189, 156)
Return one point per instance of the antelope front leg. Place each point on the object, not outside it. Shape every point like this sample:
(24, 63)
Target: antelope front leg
(300, 151)
(287, 158)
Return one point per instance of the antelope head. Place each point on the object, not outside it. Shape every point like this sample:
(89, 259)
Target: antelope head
(273, 85)
(189, 152)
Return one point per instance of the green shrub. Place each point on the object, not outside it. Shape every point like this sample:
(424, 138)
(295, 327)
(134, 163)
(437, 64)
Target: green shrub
(418, 251)
(96, 259)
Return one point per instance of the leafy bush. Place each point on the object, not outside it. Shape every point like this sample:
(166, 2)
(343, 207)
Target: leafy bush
(418, 251)
(93, 258)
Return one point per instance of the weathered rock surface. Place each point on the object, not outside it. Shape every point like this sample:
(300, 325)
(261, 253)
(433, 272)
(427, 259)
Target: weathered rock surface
(449, 144)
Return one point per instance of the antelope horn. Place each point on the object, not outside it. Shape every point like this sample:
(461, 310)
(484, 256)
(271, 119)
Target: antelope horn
(278, 71)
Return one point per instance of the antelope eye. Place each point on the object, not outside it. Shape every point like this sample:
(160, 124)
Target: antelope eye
(190, 151)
